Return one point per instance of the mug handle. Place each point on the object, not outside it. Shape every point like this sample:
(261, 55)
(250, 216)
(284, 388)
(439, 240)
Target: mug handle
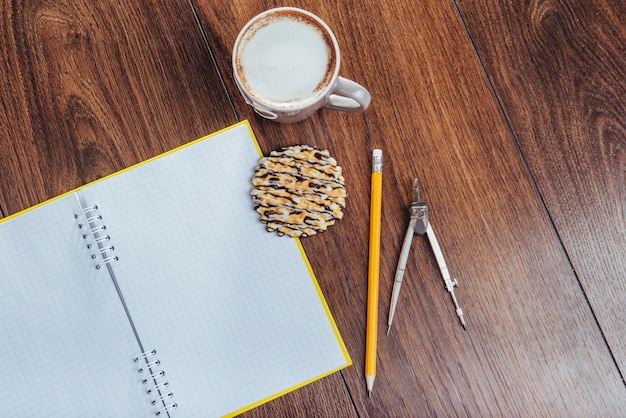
(348, 96)
(267, 114)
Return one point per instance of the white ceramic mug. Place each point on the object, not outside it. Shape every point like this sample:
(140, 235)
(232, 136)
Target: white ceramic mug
(286, 66)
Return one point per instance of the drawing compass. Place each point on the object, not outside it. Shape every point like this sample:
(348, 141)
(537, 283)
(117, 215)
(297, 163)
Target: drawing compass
(419, 225)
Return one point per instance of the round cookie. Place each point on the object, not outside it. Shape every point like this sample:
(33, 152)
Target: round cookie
(298, 191)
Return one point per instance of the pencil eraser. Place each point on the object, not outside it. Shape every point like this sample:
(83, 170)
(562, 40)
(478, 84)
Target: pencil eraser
(377, 153)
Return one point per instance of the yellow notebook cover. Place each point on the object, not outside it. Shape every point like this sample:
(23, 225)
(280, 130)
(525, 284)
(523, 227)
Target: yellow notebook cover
(157, 289)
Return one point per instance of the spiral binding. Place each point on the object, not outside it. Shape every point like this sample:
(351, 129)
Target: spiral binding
(94, 233)
(151, 376)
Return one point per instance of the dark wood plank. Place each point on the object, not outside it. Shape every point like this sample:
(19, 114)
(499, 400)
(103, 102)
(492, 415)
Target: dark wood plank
(329, 392)
(533, 346)
(90, 88)
(87, 89)
(559, 70)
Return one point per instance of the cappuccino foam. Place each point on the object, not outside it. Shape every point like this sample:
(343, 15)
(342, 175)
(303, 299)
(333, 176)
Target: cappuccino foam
(286, 59)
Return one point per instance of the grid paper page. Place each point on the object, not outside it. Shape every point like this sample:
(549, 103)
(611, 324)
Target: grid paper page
(232, 310)
(67, 346)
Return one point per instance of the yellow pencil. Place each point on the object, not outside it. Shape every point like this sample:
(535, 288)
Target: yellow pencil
(373, 270)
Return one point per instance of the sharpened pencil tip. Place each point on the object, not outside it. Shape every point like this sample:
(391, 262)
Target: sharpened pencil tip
(369, 393)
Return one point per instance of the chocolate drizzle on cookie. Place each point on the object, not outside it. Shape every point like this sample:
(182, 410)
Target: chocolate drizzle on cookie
(298, 191)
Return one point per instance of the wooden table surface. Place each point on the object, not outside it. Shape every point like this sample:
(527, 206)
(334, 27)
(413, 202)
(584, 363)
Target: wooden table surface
(512, 114)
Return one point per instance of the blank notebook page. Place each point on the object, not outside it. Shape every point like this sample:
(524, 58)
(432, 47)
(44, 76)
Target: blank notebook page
(233, 311)
(67, 347)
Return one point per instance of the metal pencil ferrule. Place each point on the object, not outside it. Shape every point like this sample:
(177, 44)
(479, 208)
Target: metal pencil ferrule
(377, 163)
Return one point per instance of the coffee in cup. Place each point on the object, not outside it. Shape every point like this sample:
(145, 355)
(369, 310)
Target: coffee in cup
(286, 65)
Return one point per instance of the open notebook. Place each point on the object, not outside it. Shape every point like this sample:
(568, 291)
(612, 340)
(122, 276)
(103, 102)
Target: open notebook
(157, 291)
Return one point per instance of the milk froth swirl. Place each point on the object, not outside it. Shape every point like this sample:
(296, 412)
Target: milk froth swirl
(286, 60)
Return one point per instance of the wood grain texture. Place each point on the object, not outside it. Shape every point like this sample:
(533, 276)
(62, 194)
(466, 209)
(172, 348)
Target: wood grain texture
(559, 70)
(532, 347)
(88, 89)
